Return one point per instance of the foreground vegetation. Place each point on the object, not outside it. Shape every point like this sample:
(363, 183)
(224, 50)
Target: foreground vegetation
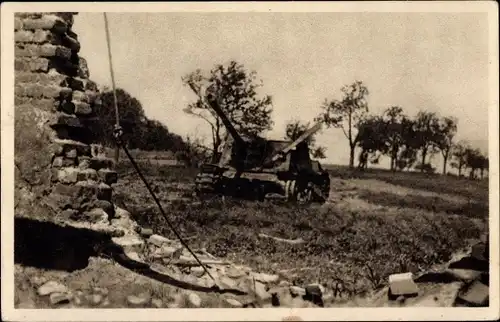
(355, 247)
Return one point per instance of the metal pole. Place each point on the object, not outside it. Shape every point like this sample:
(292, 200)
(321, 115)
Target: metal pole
(117, 148)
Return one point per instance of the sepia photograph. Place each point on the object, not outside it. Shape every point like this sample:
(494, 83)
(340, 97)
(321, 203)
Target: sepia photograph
(250, 161)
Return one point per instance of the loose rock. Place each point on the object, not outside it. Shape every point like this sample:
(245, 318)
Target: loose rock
(51, 287)
(197, 271)
(60, 298)
(234, 303)
(402, 284)
(265, 278)
(137, 301)
(194, 299)
(297, 291)
(95, 299)
(157, 303)
(159, 240)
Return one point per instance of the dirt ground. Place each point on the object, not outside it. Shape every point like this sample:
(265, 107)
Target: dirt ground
(369, 228)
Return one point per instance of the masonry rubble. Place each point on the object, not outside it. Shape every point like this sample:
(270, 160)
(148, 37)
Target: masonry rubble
(53, 93)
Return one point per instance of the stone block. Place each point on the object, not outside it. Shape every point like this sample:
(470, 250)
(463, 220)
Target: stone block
(129, 243)
(41, 91)
(44, 104)
(98, 163)
(52, 77)
(82, 149)
(68, 175)
(49, 50)
(23, 36)
(402, 284)
(66, 120)
(60, 161)
(108, 176)
(477, 294)
(18, 23)
(104, 192)
(95, 215)
(86, 174)
(31, 64)
(51, 287)
(81, 108)
(71, 43)
(159, 241)
(47, 22)
(75, 83)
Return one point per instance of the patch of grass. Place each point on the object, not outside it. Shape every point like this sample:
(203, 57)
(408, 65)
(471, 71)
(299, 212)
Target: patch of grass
(434, 204)
(472, 189)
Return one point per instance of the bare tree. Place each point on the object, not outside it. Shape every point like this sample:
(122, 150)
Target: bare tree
(347, 113)
(446, 130)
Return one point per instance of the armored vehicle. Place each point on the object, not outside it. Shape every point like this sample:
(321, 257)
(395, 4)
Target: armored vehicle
(255, 167)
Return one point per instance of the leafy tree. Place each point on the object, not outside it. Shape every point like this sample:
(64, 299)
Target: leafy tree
(371, 139)
(131, 114)
(139, 131)
(446, 130)
(426, 129)
(394, 133)
(459, 156)
(347, 113)
(235, 89)
(294, 129)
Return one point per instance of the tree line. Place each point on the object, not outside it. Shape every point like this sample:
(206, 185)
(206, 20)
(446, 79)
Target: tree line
(408, 142)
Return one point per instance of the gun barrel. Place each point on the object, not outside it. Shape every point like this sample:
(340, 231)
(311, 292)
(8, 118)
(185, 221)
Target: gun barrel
(299, 140)
(212, 103)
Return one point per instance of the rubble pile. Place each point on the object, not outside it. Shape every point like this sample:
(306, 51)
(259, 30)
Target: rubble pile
(55, 98)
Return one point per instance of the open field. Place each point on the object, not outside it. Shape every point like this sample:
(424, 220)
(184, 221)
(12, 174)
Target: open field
(376, 223)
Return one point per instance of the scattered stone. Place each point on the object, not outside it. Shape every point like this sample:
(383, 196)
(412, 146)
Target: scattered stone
(197, 271)
(157, 303)
(234, 303)
(95, 299)
(129, 243)
(235, 272)
(60, 298)
(159, 240)
(260, 291)
(146, 232)
(138, 301)
(402, 284)
(297, 291)
(101, 290)
(168, 251)
(265, 278)
(38, 280)
(284, 283)
(51, 287)
(226, 282)
(477, 294)
(194, 299)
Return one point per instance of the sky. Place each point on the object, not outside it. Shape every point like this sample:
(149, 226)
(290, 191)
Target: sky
(419, 61)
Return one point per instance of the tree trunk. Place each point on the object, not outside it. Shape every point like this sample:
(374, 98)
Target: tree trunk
(445, 161)
(424, 154)
(351, 156)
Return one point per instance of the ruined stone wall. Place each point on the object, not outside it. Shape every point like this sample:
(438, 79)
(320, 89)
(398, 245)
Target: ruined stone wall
(58, 177)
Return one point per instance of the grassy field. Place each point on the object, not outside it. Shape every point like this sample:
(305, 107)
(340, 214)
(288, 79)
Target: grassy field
(375, 223)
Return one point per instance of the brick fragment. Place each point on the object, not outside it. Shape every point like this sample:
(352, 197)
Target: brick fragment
(98, 163)
(47, 22)
(81, 108)
(45, 104)
(67, 175)
(31, 64)
(87, 174)
(108, 176)
(23, 36)
(52, 77)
